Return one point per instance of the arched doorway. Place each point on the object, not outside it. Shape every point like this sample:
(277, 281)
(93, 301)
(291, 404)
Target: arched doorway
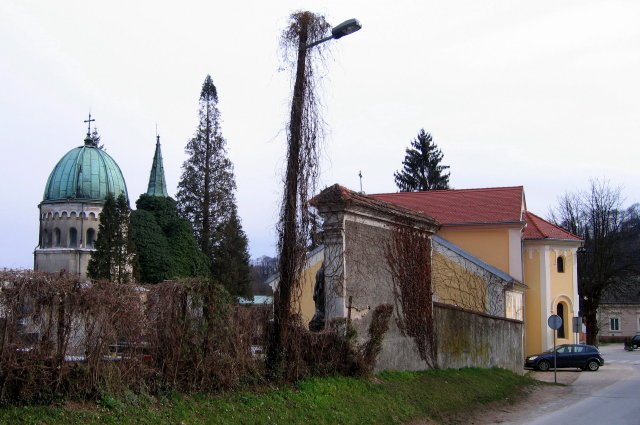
(561, 311)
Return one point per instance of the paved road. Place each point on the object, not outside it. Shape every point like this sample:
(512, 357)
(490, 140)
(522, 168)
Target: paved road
(609, 396)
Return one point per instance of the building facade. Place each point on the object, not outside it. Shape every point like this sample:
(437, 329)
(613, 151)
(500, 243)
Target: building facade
(70, 209)
(493, 224)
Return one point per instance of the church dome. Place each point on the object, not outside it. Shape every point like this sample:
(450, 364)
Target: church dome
(85, 173)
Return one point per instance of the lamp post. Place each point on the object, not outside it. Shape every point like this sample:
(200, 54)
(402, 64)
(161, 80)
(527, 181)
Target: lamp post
(289, 242)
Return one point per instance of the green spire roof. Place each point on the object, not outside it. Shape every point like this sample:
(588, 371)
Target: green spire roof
(157, 184)
(85, 173)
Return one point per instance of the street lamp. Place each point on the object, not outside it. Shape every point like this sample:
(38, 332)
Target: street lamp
(347, 27)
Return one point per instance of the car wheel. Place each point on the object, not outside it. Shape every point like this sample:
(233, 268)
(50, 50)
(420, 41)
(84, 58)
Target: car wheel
(593, 365)
(544, 366)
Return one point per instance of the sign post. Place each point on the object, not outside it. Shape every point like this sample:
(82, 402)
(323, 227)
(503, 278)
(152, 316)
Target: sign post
(555, 322)
(577, 327)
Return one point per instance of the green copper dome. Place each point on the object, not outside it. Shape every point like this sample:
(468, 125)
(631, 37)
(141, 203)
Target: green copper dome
(85, 173)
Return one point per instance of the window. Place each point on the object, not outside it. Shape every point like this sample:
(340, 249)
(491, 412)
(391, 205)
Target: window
(560, 312)
(91, 238)
(560, 264)
(56, 237)
(73, 237)
(614, 324)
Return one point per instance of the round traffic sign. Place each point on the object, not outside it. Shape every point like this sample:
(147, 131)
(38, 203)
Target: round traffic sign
(554, 321)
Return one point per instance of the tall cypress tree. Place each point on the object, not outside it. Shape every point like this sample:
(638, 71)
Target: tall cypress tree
(114, 258)
(421, 166)
(206, 191)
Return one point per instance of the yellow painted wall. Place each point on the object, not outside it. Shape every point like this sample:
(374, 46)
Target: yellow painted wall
(455, 285)
(490, 245)
(562, 286)
(532, 303)
(307, 305)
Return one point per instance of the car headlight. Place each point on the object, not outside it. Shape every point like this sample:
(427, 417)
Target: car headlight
(532, 358)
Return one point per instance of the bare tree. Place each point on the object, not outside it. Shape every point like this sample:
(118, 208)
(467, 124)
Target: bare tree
(597, 216)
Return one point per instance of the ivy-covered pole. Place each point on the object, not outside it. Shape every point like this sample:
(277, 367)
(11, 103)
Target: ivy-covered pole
(301, 172)
(288, 231)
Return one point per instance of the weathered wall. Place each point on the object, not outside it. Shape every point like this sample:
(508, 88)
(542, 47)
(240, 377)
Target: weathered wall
(358, 232)
(369, 284)
(466, 339)
(71, 260)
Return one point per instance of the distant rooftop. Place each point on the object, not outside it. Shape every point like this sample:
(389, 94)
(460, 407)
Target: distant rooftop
(539, 228)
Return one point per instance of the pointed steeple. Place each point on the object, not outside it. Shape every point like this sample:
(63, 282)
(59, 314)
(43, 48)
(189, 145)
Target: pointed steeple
(157, 184)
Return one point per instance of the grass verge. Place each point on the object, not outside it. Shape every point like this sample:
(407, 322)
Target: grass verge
(389, 398)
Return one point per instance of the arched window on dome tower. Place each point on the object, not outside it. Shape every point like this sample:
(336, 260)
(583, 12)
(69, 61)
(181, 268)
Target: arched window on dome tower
(73, 237)
(46, 239)
(91, 238)
(56, 237)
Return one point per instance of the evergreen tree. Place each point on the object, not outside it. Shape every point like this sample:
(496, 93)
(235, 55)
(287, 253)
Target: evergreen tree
(206, 189)
(114, 258)
(165, 243)
(231, 263)
(421, 166)
(154, 252)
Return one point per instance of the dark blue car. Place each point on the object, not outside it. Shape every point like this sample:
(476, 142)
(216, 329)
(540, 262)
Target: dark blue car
(585, 357)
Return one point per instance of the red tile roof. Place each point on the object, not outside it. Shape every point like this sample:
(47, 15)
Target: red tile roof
(539, 228)
(464, 206)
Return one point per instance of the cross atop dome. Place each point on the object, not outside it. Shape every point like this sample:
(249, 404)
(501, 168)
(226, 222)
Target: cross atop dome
(88, 141)
(89, 125)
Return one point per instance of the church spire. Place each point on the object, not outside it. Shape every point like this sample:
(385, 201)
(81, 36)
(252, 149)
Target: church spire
(157, 184)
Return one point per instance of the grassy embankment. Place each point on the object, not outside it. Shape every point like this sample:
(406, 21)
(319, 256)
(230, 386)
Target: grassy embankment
(390, 398)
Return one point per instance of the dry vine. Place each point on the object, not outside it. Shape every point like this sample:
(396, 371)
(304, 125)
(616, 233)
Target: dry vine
(409, 259)
(304, 134)
(458, 282)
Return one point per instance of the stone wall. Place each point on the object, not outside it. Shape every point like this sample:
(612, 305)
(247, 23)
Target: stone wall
(357, 231)
(468, 339)
(369, 284)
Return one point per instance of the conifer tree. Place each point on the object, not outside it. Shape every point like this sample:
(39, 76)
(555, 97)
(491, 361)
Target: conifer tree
(231, 263)
(114, 258)
(206, 191)
(421, 166)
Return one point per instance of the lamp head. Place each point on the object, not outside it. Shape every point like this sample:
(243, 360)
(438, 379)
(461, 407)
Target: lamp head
(347, 27)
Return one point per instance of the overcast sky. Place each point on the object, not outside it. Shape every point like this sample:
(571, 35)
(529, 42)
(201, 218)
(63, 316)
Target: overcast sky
(544, 94)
